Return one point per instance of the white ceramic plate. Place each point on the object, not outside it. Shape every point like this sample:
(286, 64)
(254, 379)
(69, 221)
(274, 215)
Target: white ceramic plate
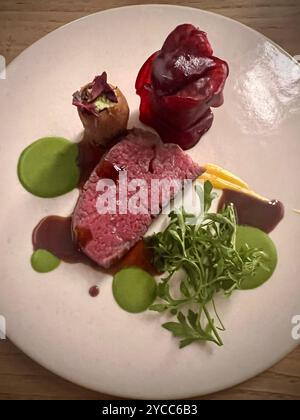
(255, 134)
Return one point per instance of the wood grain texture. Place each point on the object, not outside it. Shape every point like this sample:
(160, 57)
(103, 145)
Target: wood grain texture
(24, 22)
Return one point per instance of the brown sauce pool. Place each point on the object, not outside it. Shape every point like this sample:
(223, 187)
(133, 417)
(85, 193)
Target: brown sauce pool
(54, 233)
(252, 211)
(89, 156)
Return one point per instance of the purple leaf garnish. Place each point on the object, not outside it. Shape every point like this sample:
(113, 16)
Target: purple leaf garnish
(85, 97)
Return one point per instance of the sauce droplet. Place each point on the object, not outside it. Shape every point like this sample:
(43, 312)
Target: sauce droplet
(106, 169)
(94, 291)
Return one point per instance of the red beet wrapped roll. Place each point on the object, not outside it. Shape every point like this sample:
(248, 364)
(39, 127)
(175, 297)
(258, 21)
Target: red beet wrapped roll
(179, 84)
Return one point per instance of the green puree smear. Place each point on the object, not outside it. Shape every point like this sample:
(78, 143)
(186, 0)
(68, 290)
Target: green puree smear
(43, 261)
(134, 289)
(48, 167)
(255, 238)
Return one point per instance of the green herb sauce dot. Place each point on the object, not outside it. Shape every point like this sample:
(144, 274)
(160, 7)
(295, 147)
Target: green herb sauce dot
(256, 238)
(43, 261)
(134, 289)
(48, 167)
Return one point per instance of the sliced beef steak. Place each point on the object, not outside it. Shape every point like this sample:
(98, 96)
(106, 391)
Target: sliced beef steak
(105, 238)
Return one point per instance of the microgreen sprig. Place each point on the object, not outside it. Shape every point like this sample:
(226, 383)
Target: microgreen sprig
(206, 253)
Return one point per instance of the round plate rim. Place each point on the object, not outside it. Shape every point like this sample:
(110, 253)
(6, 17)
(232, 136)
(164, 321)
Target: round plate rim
(83, 383)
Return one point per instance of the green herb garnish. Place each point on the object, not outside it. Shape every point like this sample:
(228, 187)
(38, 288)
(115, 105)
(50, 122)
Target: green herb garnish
(206, 253)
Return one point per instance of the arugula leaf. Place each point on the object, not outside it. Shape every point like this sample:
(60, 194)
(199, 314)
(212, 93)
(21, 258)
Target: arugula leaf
(209, 196)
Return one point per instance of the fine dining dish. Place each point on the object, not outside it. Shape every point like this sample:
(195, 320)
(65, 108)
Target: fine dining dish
(137, 177)
(211, 172)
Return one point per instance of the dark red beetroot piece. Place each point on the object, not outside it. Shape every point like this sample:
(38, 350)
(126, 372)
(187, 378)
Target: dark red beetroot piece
(108, 237)
(179, 84)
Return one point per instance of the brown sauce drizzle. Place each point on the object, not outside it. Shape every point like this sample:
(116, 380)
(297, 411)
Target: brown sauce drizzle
(253, 211)
(54, 233)
(88, 157)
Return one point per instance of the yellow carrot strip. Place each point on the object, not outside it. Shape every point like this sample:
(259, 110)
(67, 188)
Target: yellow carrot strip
(222, 184)
(254, 194)
(296, 211)
(224, 174)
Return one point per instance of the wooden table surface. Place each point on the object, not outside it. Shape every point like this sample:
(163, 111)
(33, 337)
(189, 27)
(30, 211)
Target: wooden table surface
(24, 22)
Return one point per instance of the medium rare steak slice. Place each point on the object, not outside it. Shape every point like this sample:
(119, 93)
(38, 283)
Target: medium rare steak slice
(105, 238)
